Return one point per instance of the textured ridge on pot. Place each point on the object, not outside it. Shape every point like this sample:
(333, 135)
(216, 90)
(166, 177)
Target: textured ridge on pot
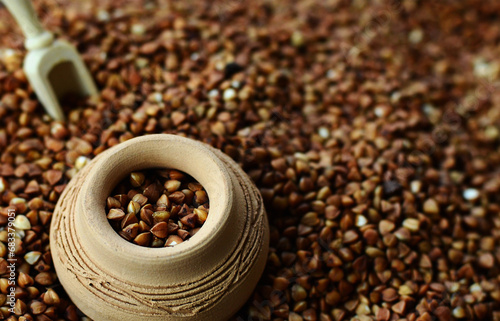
(208, 277)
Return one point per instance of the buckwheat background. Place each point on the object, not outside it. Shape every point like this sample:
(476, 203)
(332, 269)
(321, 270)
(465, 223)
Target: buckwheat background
(372, 129)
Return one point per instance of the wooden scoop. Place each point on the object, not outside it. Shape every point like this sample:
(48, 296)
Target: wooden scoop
(53, 67)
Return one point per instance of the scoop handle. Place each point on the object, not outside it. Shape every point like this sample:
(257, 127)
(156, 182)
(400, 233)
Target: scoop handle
(36, 36)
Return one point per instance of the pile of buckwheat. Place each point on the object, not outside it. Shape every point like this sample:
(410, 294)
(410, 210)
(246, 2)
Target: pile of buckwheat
(157, 208)
(372, 129)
